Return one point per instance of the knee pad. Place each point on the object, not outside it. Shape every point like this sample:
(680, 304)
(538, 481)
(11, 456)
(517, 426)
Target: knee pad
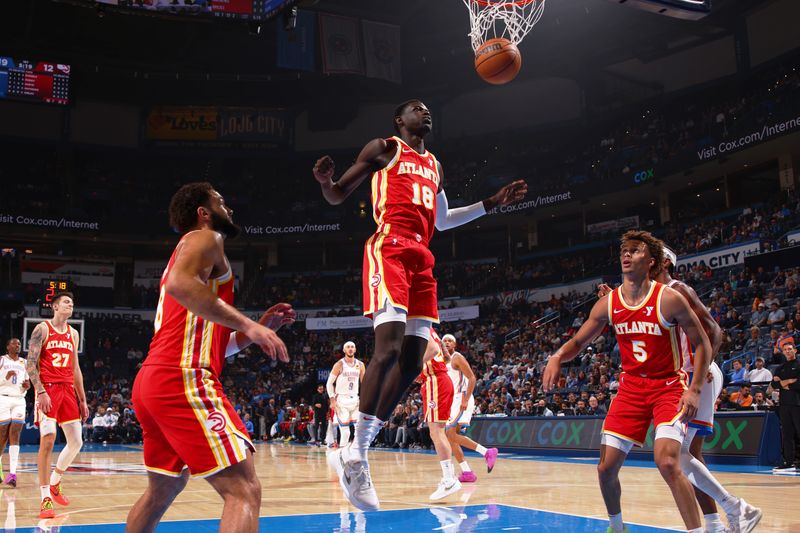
(47, 427)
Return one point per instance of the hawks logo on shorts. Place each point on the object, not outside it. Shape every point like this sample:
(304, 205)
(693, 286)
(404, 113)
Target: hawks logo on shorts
(215, 421)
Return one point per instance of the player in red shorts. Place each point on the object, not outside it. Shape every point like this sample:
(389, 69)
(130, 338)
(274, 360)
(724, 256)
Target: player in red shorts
(408, 201)
(56, 377)
(437, 399)
(653, 387)
(189, 426)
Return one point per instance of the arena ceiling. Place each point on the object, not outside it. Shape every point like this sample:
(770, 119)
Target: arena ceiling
(145, 59)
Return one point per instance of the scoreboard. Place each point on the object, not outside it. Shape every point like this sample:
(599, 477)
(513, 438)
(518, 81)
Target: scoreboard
(51, 287)
(34, 82)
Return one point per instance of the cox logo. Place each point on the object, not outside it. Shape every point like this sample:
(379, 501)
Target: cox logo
(644, 175)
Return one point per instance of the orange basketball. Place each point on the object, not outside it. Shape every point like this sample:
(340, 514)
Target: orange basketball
(498, 61)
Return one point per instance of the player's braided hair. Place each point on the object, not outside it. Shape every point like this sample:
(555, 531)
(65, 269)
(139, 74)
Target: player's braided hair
(654, 245)
(184, 204)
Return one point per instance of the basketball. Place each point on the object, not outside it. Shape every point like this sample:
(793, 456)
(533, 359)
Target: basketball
(498, 61)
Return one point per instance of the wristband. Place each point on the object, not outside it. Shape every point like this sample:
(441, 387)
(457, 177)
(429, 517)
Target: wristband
(41, 392)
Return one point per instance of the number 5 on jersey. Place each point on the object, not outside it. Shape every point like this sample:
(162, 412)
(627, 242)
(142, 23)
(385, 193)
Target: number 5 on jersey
(423, 195)
(639, 351)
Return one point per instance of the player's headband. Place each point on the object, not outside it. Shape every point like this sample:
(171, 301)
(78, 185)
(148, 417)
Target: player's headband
(448, 336)
(349, 343)
(669, 254)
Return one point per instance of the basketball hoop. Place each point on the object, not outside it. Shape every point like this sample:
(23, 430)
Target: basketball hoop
(505, 19)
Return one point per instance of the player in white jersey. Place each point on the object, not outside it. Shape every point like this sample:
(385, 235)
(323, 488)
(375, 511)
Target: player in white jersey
(463, 379)
(343, 386)
(13, 386)
(742, 517)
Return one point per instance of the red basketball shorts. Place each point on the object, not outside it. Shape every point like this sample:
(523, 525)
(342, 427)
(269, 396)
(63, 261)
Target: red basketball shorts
(641, 401)
(437, 397)
(399, 269)
(187, 421)
(63, 404)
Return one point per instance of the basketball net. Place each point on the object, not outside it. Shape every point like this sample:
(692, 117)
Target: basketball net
(507, 19)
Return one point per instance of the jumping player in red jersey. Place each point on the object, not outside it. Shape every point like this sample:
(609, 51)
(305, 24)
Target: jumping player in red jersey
(645, 315)
(742, 517)
(189, 426)
(437, 400)
(56, 377)
(408, 201)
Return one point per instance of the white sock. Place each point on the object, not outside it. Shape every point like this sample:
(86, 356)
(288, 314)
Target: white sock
(55, 478)
(713, 523)
(615, 522)
(464, 467)
(695, 530)
(45, 491)
(367, 427)
(481, 450)
(447, 469)
(13, 458)
(344, 435)
(701, 478)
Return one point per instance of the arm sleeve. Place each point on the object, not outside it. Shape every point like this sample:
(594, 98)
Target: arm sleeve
(329, 385)
(447, 218)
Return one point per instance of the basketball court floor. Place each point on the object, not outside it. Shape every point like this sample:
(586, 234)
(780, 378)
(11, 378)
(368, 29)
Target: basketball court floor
(301, 494)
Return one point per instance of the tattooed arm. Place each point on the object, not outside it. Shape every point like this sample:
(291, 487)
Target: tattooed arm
(78, 378)
(38, 337)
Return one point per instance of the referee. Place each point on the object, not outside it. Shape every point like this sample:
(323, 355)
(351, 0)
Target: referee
(787, 380)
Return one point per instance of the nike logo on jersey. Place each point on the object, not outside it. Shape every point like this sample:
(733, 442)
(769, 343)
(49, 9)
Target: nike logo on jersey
(671, 382)
(618, 311)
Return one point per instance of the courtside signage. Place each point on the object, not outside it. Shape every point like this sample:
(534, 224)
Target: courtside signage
(727, 256)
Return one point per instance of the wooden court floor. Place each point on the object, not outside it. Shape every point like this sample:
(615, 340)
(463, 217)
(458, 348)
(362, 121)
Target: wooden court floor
(297, 481)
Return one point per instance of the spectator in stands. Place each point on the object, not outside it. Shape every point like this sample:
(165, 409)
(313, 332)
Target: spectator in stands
(595, 408)
(742, 398)
(542, 409)
(248, 425)
(771, 299)
(761, 402)
(99, 431)
(736, 375)
(759, 374)
(759, 316)
(754, 342)
(724, 402)
(776, 315)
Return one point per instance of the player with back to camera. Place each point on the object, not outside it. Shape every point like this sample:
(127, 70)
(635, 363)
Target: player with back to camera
(14, 384)
(461, 412)
(742, 517)
(653, 386)
(189, 426)
(343, 386)
(408, 201)
(55, 374)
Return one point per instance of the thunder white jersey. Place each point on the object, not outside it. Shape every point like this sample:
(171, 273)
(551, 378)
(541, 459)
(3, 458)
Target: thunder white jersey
(349, 378)
(13, 386)
(458, 378)
(687, 356)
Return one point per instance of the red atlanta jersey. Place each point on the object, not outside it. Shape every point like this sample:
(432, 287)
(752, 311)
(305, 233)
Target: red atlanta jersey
(437, 364)
(648, 344)
(404, 192)
(184, 340)
(55, 361)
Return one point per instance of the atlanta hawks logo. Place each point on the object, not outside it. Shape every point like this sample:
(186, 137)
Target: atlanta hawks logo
(431, 405)
(216, 422)
(376, 280)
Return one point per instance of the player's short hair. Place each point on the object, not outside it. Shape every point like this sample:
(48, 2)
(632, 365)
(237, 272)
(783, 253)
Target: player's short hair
(57, 296)
(654, 245)
(400, 109)
(184, 203)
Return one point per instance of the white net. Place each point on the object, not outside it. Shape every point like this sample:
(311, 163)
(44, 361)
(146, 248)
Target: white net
(507, 19)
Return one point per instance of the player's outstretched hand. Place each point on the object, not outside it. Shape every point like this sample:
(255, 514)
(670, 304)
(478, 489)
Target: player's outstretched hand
(690, 401)
(551, 374)
(269, 342)
(323, 169)
(513, 192)
(277, 316)
(603, 289)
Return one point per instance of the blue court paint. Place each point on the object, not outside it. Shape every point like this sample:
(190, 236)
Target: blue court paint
(468, 518)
